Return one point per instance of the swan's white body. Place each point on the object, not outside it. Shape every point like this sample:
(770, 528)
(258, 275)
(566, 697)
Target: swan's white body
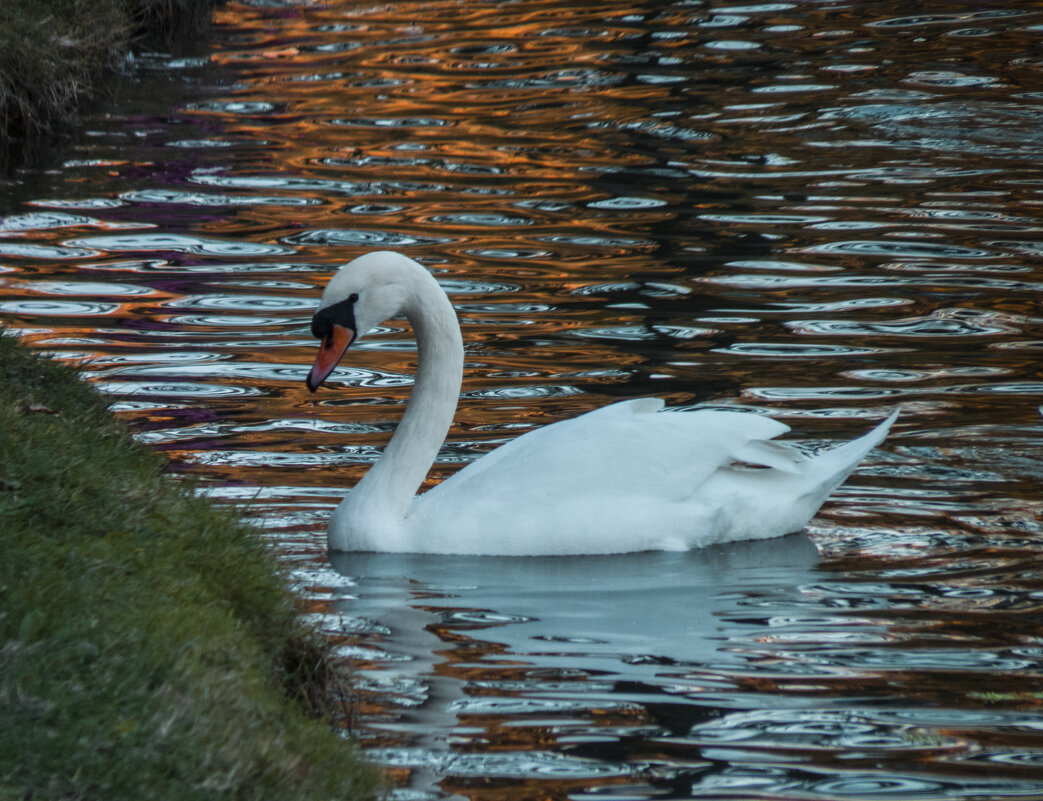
(626, 477)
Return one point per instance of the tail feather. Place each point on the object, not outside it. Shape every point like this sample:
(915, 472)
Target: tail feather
(829, 470)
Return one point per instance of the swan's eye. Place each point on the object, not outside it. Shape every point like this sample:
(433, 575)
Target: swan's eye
(321, 328)
(339, 314)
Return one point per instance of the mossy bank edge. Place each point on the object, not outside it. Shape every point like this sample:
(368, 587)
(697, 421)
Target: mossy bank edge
(149, 645)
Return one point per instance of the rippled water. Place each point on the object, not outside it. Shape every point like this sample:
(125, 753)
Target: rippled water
(817, 209)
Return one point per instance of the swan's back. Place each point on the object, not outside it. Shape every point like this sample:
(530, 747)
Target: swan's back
(626, 448)
(630, 477)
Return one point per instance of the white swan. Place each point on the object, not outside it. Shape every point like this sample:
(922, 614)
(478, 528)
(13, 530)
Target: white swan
(623, 478)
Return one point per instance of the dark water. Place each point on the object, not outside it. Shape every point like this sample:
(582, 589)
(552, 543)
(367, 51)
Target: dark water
(817, 209)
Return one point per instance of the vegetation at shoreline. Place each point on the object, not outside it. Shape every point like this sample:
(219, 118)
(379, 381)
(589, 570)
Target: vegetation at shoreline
(53, 53)
(149, 646)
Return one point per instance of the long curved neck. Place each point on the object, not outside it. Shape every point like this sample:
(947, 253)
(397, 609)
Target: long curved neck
(389, 486)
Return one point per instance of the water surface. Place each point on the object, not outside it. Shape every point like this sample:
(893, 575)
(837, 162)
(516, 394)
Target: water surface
(818, 210)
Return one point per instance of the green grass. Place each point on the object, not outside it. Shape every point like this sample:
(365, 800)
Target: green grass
(149, 647)
(54, 54)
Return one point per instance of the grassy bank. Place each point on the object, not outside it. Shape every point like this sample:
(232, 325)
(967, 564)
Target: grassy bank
(148, 646)
(54, 53)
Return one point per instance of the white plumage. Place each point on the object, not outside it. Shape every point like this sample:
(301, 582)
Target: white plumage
(627, 477)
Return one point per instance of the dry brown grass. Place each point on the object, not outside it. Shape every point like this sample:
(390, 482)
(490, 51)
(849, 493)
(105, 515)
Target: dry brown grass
(54, 55)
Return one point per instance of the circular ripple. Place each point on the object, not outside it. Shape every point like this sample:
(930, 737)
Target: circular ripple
(462, 286)
(180, 243)
(901, 249)
(482, 220)
(244, 321)
(42, 221)
(200, 199)
(505, 253)
(627, 203)
(84, 288)
(347, 236)
(796, 350)
(946, 322)
(243, 303)
(499, 765)
(50, 308)
(24, 250)
(481, 618)
(524, 393)
(185, 389)
(877, 787)
(78, 203)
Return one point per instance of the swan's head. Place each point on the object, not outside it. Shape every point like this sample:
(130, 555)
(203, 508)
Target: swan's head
(360, 296)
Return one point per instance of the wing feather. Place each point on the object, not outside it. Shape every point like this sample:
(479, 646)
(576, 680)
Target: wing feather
(625, 448)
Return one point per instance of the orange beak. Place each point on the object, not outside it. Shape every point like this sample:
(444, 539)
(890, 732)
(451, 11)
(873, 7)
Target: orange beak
(330, 352)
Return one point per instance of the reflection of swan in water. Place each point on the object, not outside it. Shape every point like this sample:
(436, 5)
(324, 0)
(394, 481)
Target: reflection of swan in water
(667, 604)
(530, 629)
(627, 477)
